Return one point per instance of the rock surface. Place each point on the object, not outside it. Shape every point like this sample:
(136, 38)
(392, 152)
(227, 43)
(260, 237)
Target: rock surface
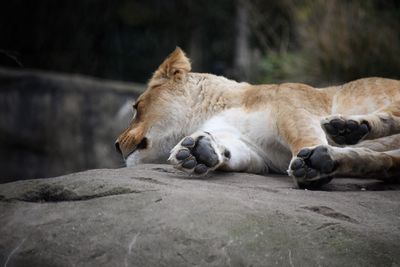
(52, 124)
(153, 215)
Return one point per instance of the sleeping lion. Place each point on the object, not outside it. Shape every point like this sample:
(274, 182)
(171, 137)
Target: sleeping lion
(203, 122)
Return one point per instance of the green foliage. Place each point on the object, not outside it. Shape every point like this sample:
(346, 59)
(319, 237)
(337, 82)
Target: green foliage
(346, 40)
(338, 41)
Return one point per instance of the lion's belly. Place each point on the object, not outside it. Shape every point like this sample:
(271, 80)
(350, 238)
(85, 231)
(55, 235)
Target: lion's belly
(257, 130)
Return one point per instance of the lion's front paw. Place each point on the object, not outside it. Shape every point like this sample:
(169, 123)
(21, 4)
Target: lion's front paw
(312, 167)
(198, 154)
(345, 131)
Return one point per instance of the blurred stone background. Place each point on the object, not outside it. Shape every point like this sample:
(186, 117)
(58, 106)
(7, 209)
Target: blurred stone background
(51, 124)
(61, 106)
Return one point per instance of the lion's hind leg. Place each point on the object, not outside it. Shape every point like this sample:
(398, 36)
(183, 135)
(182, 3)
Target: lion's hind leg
(351, 129)
(378, 158)
(383, 144)
(346, 162)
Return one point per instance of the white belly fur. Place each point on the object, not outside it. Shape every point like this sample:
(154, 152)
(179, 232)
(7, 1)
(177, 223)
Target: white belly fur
(258, 130)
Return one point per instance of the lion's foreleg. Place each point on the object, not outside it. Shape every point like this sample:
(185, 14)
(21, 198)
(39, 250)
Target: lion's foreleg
(217, 147)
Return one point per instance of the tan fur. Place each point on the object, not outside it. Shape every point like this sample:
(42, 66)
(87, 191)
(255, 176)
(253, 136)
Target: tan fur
(179, 103)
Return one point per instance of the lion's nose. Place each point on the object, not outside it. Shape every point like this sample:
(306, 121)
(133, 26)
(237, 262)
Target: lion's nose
(117, 147)
(124, 151)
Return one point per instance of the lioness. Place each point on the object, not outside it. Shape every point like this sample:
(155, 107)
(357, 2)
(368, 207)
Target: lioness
(202, 122)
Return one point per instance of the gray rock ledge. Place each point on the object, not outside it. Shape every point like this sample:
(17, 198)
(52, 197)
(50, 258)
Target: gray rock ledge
(153, 215)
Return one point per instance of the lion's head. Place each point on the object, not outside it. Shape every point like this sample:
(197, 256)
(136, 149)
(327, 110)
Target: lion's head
(159, 112)
(176, 103)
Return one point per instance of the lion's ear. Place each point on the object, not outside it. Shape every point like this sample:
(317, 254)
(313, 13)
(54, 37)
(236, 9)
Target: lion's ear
(175, 66)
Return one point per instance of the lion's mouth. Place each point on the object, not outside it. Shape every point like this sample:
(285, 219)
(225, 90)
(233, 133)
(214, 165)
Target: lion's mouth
(142, 145)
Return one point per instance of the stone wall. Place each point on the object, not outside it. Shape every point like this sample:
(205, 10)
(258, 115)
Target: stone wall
(52, 124)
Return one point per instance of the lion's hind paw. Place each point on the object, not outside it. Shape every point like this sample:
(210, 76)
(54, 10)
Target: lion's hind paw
(312, 167)
(345, 131)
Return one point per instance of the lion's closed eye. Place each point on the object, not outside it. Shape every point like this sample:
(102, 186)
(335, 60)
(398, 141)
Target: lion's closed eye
(136, 111)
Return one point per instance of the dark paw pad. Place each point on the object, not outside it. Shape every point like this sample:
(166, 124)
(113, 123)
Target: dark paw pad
(313, 167)
(188, 142)
(320, 160)
(204, 153)
(301, 170)
(189, 163)
(198, 155)
(200, 169)
(346, 132)
(183, 154)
